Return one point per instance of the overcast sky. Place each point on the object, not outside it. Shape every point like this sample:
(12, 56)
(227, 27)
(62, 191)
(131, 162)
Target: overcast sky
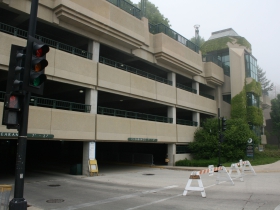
(256, 20)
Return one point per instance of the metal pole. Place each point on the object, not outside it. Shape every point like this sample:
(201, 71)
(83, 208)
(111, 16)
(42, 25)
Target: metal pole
(18, 202)
(219, 132)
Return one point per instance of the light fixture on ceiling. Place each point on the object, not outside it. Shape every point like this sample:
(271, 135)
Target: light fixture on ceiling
(81, 91)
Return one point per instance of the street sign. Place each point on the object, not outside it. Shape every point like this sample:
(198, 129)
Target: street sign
(29, 135)
(250, 150)
(142, 139)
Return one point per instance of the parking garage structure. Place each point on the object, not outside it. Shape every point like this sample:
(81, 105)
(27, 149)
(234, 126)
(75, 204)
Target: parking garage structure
(127, 90)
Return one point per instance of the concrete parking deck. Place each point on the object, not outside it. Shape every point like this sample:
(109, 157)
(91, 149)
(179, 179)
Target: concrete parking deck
(134, 187)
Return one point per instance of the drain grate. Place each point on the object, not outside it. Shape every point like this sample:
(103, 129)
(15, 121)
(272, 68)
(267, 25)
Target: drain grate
(54, 185)
(55, 201)
(148, 174)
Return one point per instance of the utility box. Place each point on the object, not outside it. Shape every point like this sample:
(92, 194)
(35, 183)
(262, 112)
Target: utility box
(76, 169)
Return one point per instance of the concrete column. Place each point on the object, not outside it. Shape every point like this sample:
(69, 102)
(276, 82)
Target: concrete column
(196, 118)
(219, 99)
(171, 153)
(94, 48)
(172, 76)
(91, 99)
(89, 152)
(195, 85)
(172, 113)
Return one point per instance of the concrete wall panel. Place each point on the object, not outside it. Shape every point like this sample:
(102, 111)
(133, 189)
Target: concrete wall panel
(143, 87)
(213, 73)
(195, 101)
(72, 125)
(237, 70)
(113, 78)
(226, 88)
(142, 129)
(6, 41)
(166, 132)
(75, 68)
(185, 133)
(178, 157)
(39, 120)
(226, 109)
(166, 93)
(112, 128)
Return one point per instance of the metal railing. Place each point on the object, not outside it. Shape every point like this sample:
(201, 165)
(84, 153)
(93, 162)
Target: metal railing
(161, 28)
(133, 115)
(57, 104)
(53, 103)
(183, 87)
(186, 122)
(206, 95)
(128, 7)
(213, 59)
(133, 70)
(52, 43)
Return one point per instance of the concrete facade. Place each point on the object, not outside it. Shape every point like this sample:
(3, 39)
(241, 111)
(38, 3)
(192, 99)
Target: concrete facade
(106, 30)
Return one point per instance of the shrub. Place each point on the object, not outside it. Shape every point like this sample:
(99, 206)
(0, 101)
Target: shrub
(206, 144)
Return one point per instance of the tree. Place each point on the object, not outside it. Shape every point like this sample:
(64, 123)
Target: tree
(275, 117)
(153, 14)
(200, 40)
(206, 145)
(265, 83)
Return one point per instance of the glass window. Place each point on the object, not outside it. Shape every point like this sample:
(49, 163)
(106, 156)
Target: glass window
(224, 57)
(252, 100)
(227, 98)
(251, 67)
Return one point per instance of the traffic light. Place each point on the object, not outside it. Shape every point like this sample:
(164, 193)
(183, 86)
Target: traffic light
(16, 69)
(224, 125)
(12, 110)
(34, 76)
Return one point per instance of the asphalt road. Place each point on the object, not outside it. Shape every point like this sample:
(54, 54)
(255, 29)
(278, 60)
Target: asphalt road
(132, 187)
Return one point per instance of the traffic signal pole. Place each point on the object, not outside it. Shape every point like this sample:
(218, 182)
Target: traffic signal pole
(219, 131)
(18, 202)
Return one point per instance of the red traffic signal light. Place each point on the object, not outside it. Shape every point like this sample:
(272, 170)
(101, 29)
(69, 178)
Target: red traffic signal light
(40, 50)
(11, 111)
(13, 102)
(35, 77)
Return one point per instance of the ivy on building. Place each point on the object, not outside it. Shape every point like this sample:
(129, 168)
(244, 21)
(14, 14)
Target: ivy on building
(254, 87)
(221, 43)
(243, 42)
(239, 108)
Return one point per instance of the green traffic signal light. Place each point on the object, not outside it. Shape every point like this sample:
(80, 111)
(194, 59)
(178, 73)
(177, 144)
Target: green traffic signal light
(36, 81)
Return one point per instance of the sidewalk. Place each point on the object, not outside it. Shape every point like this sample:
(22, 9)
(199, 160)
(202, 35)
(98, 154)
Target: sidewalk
(268, 168)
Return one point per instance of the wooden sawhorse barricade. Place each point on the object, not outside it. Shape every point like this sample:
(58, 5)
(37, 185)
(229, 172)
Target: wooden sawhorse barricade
(223, 175)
